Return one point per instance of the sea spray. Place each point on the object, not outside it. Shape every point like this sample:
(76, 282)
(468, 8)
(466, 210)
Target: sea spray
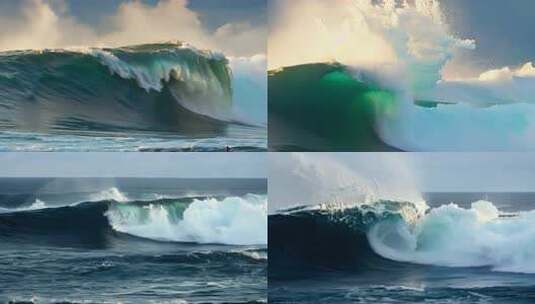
(318, 178)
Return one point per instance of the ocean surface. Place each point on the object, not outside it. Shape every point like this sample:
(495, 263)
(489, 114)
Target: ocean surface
(132, 240)
(153, 97)
(477, 250)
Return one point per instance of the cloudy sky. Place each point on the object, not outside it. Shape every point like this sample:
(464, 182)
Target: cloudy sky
(236, 27)
(503, 31)
(301, 178)
(181, 165)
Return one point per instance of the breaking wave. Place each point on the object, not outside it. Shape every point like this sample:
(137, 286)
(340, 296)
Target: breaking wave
(202, 220)
(372, 77)
(167, 87)
(388, 234)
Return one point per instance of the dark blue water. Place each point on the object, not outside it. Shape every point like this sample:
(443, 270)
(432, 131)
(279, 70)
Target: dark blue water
(325, 257)
(118, 241)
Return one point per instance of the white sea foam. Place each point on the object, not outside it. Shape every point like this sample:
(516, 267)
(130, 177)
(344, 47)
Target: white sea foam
(233, 220)
(453, 236)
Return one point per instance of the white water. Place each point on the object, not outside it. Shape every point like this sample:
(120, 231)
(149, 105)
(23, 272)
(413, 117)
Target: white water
(233, 220)
(453, 236)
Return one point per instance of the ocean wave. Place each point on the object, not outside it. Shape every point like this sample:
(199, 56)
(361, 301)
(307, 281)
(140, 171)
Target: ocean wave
(391, 92)
(453, 236)
(167, 87)
(358, 111)
(377, 235)
(202, 220)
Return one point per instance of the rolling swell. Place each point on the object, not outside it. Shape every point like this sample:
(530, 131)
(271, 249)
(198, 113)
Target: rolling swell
(340, 110)
(147, 88)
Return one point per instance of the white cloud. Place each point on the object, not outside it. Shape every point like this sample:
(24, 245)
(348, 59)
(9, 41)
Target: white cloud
(45, 24)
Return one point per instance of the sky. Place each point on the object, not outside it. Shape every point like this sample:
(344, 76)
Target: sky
(311, 178)
(235, 27)
(179, 165)
(503, 31)
(213, 13)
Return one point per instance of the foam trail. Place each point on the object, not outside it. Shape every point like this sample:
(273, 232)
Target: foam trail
(458, 237)
(233, 220)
